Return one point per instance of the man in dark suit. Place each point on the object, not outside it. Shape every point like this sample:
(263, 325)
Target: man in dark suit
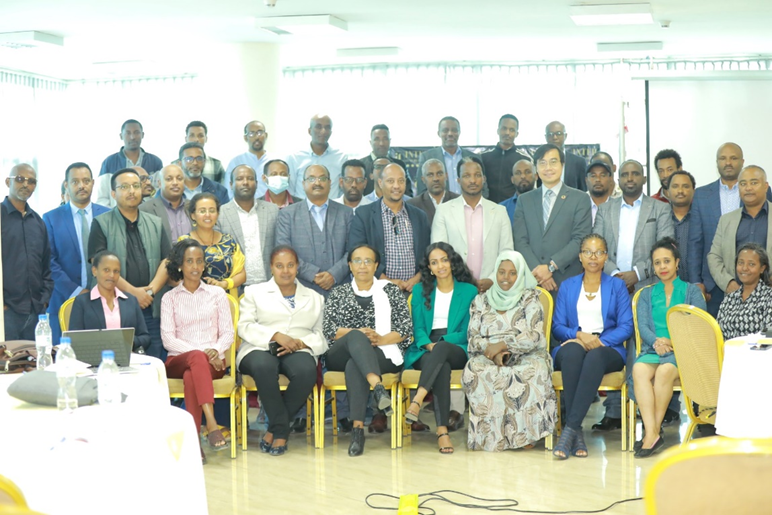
(434, 178)
(68, 230)
(169, 203)
(387, 225)
(193, 159)
(551, 221)
(380, 142)
(499, 162)
(575, 166)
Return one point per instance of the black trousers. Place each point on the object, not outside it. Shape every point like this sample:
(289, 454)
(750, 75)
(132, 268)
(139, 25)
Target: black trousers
(356, 357)
(583, 372)
(435, 367)
(265, 368)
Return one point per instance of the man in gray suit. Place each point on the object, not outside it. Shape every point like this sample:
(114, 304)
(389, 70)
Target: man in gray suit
(449, 153)
(434, 179)
(317, 229)
(169, 203)
(551, 221)
(749, 224)
(252, 223)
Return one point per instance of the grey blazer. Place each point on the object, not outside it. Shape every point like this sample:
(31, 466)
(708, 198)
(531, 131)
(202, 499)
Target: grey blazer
(293, 228)
(425, 204)
(721, 257)
(654, 223)
(570, 220)
(267, 215)
(436, 153)
(155, 206)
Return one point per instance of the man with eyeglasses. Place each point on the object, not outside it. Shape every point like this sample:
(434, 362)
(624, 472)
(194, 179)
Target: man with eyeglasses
(574, 166)
(131, 154)
(319, 152)
(434, 178)
(192, 159)
(255, 157)
(380, 143)
(68, 228)
(148, 189)
(276, 177)
(27, 281)
(169, 204)
(197, 132)
(141, 244)
(600, 182)
(631, 225)
(353, 182)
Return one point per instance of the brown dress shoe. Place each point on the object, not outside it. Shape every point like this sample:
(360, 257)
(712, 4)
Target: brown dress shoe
(378, 424)
(455, 421)
(418, 427)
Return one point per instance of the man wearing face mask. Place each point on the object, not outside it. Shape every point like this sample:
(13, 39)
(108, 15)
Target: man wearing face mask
(255, 157)
(276, 180)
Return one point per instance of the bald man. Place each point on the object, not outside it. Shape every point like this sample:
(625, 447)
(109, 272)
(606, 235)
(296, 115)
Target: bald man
(319, 152)
(169, 204)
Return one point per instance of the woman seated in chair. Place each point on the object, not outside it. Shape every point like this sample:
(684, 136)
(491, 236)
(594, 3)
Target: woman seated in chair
(107, 307)
(592, 321)
(440, 309)
(368, 326)
(280, 325)
(748, 309)
(223, 256)
(655, 370)
(508, 378)
(197, 331)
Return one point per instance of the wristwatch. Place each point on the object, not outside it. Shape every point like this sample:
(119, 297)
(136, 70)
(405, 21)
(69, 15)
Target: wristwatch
(552, 267)
(150, 292)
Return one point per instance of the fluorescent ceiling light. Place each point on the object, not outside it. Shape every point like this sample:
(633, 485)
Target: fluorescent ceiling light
(635, 46)
(613, 14)
(319, 25)
(29, 39)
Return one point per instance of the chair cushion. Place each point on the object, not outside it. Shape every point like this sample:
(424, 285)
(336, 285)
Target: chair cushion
(410, 377)
(612, 380)
(250, 385)
(222, 387)
(338, 379)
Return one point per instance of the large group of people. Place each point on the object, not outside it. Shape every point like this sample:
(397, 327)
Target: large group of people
(335, 259)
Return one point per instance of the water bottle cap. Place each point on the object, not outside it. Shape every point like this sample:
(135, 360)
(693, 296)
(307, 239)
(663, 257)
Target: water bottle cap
(108, 354)
(65, 340)
(42, 317)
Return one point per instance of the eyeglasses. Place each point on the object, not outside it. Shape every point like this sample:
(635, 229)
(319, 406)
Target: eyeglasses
(551, 134)
(84, 182)
(18, 179)
(351, 180)
(359, 261)
(203, 211)
(127, 187)
(598, 253)
(252, 134)
(197, 159)
(144, 178)
(321, 180)
(394, 225)
(552, 162)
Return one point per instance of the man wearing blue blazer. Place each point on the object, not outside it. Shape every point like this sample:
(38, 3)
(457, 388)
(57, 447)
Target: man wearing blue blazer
(68, 230)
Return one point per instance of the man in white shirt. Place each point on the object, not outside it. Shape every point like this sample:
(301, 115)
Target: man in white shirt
(318, 153)
(255, 157)
(353, 182)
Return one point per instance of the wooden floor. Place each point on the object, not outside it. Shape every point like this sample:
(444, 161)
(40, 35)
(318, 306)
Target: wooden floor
(328, 481)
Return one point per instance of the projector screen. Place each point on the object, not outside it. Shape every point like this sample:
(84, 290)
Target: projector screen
(694, 117)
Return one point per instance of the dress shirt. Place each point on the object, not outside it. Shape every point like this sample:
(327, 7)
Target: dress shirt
(510, 204)
(362, 202)
(112, 316)
(130, 163)
(753, 230)
(318, 213)
(730, 198)
(451, 162)
(682, 240)
(178, 218)
(254, 162)
(595, 206)
(372, 197)
(400, 258)
(196, 320)
(436, 204)
(473, 216)
(253, 252)
(628, 222)
(298, 162)
(555, 189)
(79, 232)
(189, 194)
(287, 200)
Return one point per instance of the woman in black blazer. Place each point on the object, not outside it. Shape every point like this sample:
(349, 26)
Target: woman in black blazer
(88, 310)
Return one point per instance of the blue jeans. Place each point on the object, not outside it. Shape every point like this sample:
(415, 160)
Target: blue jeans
(20, 327)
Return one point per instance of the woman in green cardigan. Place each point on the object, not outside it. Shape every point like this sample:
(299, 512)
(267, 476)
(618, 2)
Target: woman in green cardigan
(440, 308)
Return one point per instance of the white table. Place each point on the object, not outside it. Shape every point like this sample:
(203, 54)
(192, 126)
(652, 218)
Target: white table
(141, 456)
(743, 391)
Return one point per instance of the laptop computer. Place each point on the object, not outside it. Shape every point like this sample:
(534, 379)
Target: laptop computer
(89, 344)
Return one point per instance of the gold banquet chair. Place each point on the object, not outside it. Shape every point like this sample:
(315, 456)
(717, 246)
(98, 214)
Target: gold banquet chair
(698, 344)
(10, 494)
(711, 476)
(224, 388)
(613, 382)
(64, 314)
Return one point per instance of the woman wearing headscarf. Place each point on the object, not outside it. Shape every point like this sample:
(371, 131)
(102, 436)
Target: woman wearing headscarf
(508, 378)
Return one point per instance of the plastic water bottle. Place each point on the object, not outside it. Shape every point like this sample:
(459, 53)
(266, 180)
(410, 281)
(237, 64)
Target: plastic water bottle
(43, 342)
(109, 391)
(67, 398)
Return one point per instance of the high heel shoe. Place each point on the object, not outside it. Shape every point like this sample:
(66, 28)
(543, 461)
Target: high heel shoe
(565, 443)
(383, 399)
(412, 417)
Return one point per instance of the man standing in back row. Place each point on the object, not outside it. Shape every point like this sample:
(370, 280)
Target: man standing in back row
(499, 163)
(319, 153)
(575, 166)
(255, 157)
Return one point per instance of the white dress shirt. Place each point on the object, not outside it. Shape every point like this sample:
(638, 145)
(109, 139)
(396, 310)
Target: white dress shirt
(253, 252)
(628, 222)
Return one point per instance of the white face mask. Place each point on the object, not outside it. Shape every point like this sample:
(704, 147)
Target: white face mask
(278, 184)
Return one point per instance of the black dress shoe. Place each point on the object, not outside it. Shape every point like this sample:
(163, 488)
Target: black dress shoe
(608, 424)
(382, 399)
(357, 445)
(378, 424)
(345, 425)
(455, 421)
(298, 426)
(671, 418)
(645, 453)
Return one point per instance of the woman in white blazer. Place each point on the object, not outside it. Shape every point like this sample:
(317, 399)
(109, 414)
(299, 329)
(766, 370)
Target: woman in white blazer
(280, 326)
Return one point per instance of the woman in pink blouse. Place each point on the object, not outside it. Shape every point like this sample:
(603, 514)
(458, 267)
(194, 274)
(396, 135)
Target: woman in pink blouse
(197, 331)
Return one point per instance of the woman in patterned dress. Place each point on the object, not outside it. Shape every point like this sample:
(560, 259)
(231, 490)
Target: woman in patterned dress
(748, 309)
(224, 259)
(508, 378)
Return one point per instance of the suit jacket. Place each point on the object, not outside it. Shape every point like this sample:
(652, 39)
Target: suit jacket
(646, 326)
(425, 203)
(570, 220)
(721, 257)
(368, 161)
(367, 227)
(615, 306)
(89, 314)
(654, 223)
(293, 228)
(436, 153)
(575, 171)
(218, 190)
(65, 259)
(267, 216)
(450, 226)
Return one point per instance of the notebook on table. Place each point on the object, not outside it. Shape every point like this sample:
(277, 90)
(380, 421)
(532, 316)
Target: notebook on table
(89, 344)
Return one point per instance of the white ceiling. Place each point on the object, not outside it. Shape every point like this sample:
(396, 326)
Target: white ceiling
(160, 37)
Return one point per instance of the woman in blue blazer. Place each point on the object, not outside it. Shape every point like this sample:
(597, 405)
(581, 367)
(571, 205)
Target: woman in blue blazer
(89, 310)
(593, 320)
(440, 310)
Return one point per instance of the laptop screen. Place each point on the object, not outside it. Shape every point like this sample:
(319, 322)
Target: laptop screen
(88, 345)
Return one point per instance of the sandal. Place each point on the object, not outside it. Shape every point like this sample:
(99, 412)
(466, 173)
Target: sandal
(226, 433)
(579, 446)
(217, 441)
(203, 456)
(565, 443)
(445, 450)
(413, 417)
